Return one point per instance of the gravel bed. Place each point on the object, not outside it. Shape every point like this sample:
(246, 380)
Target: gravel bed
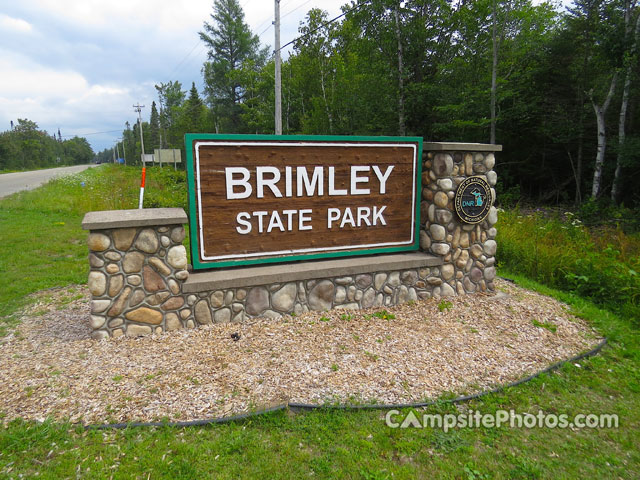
(49, 368)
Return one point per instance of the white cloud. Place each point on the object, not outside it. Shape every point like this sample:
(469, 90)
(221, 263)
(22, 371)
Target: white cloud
(14, 24)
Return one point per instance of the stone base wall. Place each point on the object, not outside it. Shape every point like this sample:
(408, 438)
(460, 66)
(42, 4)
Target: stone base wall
(468, 251)
(374, 289)
(136, 280)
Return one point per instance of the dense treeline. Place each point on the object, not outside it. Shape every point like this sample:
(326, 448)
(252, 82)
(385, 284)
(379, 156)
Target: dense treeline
(558, 89)
(26, 147)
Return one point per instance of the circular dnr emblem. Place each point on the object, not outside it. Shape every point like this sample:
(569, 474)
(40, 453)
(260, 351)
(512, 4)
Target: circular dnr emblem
(473, 200)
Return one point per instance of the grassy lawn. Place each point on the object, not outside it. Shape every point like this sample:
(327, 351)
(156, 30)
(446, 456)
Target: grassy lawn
(319, 444)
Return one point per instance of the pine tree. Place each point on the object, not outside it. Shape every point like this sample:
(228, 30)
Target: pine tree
(231, 43)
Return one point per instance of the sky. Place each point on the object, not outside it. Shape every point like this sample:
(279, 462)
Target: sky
(81, 65)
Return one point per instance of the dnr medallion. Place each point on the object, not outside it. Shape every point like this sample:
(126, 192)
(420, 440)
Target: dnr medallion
(473, 200)
(265, 198)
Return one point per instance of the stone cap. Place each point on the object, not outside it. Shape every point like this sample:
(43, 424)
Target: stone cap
(461, 147)
(306, 270)
(143, 217)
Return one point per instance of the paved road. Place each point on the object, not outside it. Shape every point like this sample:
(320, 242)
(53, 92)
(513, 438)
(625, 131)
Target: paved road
(14, 182)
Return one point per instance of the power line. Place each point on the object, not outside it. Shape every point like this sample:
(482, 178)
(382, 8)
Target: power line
(92, 133)
(323, 25)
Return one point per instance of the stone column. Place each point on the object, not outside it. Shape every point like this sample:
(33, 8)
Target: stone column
(137, 267)
(468, 251)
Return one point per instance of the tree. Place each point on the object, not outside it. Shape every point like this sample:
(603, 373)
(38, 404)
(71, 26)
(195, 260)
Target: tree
(171, 97)
(154, 123)
(231, 43)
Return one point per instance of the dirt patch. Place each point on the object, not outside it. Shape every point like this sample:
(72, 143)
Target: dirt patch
(50, 368)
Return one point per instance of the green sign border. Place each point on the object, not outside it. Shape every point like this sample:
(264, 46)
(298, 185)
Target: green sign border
(193, 229)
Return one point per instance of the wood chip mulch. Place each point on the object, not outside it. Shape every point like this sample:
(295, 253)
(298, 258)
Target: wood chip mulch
(49, 368)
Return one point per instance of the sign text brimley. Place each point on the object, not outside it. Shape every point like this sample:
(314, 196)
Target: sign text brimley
(289, 198)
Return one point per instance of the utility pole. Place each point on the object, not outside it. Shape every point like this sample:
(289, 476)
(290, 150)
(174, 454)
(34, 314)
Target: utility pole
(118, 150)
(124, 152)
(278, 68)
(138, 108)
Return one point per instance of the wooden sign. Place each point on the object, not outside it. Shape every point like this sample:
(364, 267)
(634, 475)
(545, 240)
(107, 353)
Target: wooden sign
(265, 198)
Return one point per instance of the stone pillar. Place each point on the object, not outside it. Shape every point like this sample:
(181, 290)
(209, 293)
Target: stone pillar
(137, 267)
(468, 251)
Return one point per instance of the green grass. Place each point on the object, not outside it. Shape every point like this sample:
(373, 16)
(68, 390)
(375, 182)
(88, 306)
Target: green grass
(318, 444)
(43, 244)
(357, 444)
(600, 264)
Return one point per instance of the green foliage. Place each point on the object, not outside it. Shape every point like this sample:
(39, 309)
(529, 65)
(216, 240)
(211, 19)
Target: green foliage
(444, 305)
(384, 315)
(602, 265)
(26, 147)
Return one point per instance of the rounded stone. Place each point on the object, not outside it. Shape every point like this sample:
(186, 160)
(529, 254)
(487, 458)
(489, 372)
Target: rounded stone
(403, 294)
(177, 234)
(165, 241)
(379, 280)
(132, 262)
(475, 275)
(152, 281)
(118, 332)
(369, 298)
(112, 268)
(182, 275)
(119, 305)
(184, 314)
(98, 242)
(447, 290)
(98, 306)
(441, 199)
(492, 178)
(364, 280)
(445, 184)
(490, 247)
(123, 238)
(147, 241)
(190, 324)
(431, 212)
(172, 322)
(271, 314)
(425, 240)
(222, 316)
(113, 256)
(394, 279)
(217, 299)
(173, 286)
(160, 266)
(476, 251)
(492, 218)
(116, 283)
(489, 161)
(173, 303)
(447, 271)
(137, 297)
(202, 312)
(409, 277)
(321, 295)
(440, 248)
(177, 257)
(257, 301)
(443, 216)
(145, 315)
(191, 299)
(138, 330)
(241, 294)
(228, 297)
(489, 273)
(96, 321)
(341, 294)
(95, 261)
(97, 283)
(116, 322)
(442, 164)
(438, 232)
(284, 299)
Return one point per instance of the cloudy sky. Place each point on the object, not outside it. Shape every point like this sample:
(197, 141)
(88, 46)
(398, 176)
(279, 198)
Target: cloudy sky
(80, 65)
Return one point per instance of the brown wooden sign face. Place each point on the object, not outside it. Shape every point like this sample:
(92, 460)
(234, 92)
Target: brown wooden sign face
(267, 198)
